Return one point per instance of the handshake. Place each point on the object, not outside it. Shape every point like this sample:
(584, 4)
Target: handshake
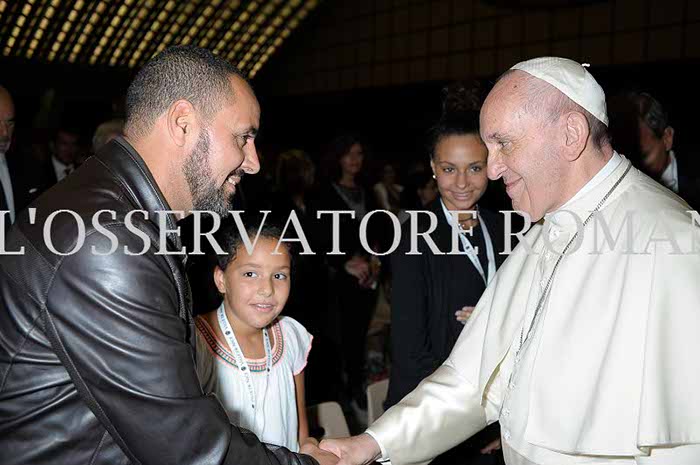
(357, 450)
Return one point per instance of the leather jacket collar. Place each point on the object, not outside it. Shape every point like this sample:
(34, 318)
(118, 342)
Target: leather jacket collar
(125, 163)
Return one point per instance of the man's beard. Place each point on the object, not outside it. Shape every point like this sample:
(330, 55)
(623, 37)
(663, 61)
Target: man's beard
(205, 193)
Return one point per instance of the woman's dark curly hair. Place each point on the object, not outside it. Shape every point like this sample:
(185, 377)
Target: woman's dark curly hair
(460, 114)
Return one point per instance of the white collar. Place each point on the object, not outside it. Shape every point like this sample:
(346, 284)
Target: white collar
(669, 177)
(609, 167)
(58, 164)
(451, 218)
(555, 223)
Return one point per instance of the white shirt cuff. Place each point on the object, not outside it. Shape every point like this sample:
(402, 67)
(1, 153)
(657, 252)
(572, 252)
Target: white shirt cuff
(384, 458)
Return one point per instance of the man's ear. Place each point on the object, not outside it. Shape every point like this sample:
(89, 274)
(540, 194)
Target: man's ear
(219, 279)
(576, 131)
(668, 138)
(181, 121)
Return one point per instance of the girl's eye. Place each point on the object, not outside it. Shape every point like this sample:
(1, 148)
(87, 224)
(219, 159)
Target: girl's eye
(250, 274)
(477, 169)
(280, 276)
(448, 170)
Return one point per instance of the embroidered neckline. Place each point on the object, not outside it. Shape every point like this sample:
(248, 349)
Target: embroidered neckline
(255, 365)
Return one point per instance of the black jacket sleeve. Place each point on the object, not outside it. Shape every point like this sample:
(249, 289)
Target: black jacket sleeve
(117, 318)
(411, 353)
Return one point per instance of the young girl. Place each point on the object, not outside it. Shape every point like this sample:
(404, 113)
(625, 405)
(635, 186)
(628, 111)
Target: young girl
(249, 356)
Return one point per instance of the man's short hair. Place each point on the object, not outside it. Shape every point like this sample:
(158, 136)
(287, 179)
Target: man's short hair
(180, 72)
(651, 112)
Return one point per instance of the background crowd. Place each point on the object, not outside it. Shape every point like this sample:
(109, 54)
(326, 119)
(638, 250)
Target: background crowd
(372, 316)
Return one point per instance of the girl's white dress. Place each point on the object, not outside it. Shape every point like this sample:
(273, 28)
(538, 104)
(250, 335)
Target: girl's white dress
(276, 420)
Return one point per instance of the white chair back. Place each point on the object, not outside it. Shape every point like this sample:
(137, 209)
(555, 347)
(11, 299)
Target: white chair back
(376, 395)
(330, 417)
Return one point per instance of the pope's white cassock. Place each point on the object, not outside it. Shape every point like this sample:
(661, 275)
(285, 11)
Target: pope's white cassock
(609, 373)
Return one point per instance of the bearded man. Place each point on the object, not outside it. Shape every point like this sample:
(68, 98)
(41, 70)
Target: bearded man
(583, 349)
(96, 352)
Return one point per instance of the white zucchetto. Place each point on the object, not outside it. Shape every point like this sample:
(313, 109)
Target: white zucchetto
(572, 79)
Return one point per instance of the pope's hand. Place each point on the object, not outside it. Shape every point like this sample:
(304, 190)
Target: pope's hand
(464, 314)
(321, 456)
(357, 450)
(492, 446)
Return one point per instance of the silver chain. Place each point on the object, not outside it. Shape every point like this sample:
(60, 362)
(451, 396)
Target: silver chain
(540, 303)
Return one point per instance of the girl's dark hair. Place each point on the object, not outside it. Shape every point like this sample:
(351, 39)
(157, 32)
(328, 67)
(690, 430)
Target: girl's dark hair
(460, 114)
(230, 239)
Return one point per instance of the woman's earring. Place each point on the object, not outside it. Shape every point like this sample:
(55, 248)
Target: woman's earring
(434, 177)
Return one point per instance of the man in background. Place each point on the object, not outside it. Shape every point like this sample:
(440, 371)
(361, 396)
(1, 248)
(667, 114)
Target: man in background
(7, 128)
(641, 129)
(65, 152)
(105, 132)
(21, 176)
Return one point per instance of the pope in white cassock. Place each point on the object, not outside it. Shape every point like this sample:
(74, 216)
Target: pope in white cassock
(585, 345)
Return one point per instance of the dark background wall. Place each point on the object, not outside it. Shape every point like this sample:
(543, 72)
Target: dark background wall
(376, 43)
(378, 66)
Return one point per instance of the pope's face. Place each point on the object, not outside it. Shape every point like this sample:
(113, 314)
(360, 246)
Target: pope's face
(521, 150)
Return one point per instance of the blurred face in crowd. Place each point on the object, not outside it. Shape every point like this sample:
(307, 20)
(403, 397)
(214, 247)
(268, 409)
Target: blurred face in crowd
(66, 147)
(428, 193)
(111, 136)
(459, 165)
(225, 150)
(351, 162)
(255, 286)
(654, 149)
(389, 175)
(521, 148)
(7, 120)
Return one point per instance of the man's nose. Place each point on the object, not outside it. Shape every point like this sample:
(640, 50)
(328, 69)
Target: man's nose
(494, 166)
(251, 163)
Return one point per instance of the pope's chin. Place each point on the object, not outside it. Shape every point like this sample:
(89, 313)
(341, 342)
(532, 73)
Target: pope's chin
(534, 216)
(519, 207)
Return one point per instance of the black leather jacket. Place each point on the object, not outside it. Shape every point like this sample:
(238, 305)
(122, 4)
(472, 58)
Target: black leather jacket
(96, 359)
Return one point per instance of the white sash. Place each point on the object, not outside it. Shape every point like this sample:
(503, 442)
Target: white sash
(225, 326)
(471, 252)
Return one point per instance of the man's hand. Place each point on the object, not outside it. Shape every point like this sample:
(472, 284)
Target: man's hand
(359, 268)
(321, 456)
(357, 450)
